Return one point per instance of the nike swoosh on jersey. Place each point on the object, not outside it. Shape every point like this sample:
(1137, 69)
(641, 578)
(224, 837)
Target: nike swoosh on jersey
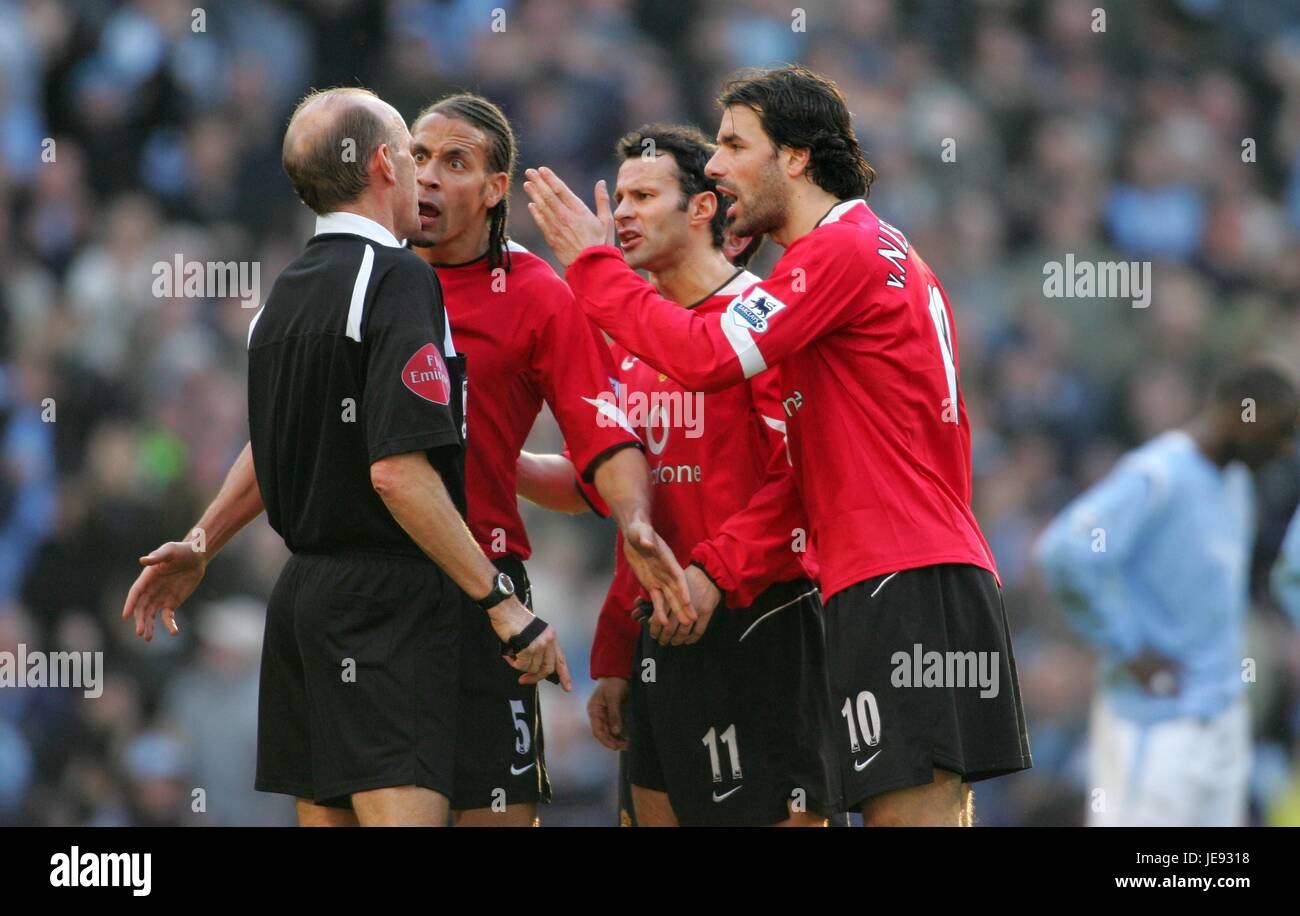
(517, 772)
(859, 767)
(718, 798)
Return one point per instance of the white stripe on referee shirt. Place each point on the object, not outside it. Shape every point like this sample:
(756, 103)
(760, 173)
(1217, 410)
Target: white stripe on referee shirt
(359, 294)
(448, 345)
(252, 324)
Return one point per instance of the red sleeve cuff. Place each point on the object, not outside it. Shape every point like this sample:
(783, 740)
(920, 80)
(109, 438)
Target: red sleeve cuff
(707, 558)
(613, 651)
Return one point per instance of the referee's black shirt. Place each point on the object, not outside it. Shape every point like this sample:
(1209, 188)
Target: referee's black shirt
(349, 361)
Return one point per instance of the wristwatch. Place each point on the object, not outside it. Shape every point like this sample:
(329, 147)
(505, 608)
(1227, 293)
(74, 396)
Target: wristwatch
(502, 588)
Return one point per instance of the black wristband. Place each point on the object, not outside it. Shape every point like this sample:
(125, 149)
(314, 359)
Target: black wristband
(524, 638)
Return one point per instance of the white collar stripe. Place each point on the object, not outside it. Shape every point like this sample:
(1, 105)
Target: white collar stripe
(839, 210)
(738, 284)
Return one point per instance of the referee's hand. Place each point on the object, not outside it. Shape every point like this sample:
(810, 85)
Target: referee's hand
(171, 574)
(542, 656)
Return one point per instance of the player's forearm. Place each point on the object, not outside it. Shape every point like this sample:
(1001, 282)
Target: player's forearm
(414, 493)
(549, 481)
(237, 503)
(623, 481)
(761, 544)
(1091, 592)
(690, 348)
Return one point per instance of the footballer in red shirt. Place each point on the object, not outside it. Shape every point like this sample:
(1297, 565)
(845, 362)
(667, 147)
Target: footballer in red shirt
(727, 722)
(525, 342)
(921, 665)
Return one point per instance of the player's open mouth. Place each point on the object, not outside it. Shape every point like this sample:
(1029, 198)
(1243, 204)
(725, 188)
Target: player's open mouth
(428, 213)
(629, 239)
(731, 210)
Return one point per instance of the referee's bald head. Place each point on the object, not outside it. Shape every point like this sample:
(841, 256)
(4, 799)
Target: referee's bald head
(331, 143)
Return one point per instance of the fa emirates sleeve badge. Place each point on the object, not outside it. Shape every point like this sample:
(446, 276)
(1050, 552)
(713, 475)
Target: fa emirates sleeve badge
(753, 312)
(426, 374)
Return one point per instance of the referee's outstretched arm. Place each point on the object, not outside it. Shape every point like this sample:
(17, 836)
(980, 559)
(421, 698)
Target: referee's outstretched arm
(414, 493)
(174, 570)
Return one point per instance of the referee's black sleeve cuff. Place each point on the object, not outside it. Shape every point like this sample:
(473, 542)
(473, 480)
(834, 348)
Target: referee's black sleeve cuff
(589, 472)
(418, 443)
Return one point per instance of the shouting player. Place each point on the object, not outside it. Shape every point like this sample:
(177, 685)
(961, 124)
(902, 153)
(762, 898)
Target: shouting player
(356, 453)
(877, 428)
(727, 719)
(524, 341)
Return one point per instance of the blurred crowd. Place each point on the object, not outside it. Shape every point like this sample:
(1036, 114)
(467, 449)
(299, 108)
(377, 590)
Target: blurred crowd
(1006, 133)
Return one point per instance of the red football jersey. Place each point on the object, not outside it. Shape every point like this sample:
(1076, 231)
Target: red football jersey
(524, 341)
(868, 353)
(710, 455)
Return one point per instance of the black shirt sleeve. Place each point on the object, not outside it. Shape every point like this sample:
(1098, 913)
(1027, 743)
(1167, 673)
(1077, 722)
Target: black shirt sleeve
(408, 388)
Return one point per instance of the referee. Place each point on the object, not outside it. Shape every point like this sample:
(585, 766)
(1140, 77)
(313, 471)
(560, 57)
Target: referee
(356, 400)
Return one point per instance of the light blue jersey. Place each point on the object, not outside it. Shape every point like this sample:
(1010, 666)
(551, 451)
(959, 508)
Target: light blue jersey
(1286, 573)
(1157, 555)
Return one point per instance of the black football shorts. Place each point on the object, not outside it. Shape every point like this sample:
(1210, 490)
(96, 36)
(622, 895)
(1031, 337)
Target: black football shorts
(736, 728)
(923, 677)
(359, 677)
(500, 751)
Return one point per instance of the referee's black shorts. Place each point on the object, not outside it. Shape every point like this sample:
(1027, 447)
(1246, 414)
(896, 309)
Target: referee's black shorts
(359, 684)
(923, 678)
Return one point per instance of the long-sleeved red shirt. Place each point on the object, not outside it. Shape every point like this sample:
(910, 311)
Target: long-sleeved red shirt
(868, 353)
(524, 342)
(713, 458)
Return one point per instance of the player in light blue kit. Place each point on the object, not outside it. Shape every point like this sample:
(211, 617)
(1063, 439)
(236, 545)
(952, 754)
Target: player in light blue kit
(1152, 565)
(1286, 573)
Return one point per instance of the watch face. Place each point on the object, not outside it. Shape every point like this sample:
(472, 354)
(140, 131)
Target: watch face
(505, 584)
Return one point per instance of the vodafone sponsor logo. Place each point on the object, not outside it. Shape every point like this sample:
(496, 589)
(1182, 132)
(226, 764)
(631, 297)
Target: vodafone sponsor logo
(426, 375)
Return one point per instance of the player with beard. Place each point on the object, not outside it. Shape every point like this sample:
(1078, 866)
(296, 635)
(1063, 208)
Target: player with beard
(877, 427)
(526, 342)
(727, 725)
